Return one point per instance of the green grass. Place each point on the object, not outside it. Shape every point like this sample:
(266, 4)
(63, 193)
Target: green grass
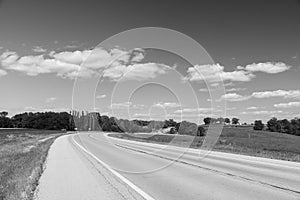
(22, 154)
(240, 140)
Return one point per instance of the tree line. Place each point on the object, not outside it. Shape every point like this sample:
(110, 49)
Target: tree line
(84, 121)
(282, 126)
(221, 120)
(39, 120)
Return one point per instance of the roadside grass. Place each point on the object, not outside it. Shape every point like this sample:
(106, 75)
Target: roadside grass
(237, 140)
(22, 155)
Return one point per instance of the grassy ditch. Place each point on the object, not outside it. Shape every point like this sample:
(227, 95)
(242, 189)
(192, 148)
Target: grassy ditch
(237, 140)
(22, 154)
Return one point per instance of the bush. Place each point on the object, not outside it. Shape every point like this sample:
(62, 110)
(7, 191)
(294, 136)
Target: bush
(188, 128)
(201, 131)
(172, 131)
(258, 125)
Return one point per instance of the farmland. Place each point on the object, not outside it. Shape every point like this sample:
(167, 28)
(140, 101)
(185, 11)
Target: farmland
(22, 154)
(239, 140)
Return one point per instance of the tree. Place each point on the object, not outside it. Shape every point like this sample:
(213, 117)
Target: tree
(258, 125)
(207, 120)
(295, 126)
(285, 126)
(172, 130)
(227, 120)
(3, 114)
(188, 128)
(235, 121)
(273, 125)
(220, 120)
(177, 126)
(201, 131)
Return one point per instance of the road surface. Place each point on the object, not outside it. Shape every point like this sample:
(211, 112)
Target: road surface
(95, 166)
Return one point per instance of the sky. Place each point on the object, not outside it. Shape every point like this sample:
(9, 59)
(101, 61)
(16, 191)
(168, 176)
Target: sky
(232, 58)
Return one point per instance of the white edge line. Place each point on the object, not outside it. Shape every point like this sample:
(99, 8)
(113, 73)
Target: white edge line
(125, 180)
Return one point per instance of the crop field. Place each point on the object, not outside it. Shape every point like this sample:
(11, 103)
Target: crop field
(238, 140)
(22, 154)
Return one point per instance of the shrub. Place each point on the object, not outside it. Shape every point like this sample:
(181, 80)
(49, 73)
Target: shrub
(258, 125)
(188, 128)
(201, 131)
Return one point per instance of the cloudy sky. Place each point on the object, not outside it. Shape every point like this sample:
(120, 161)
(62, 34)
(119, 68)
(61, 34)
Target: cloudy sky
(50, 58)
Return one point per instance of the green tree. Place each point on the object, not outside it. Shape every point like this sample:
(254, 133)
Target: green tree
(235, 121)
(207, 120)
(227, 120)
(273, 125)
(258, 125)
(201, 131)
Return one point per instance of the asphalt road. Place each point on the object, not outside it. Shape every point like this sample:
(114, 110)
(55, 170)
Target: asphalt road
(152, 171)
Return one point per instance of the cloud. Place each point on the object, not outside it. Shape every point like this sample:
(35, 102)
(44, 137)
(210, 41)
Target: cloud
(51, 99)
(30, 109)
(123, 105)
(216, 73)
(167, 105)
(100, 96)
(252, 108)
(234, 97)
(267, 67)
(263, 112)
(140, 71)
(193, 110)
(287, 94)
(277, 93)
(2, 72)
(204, 90)
(38, 49)
(68, 64)
(287, 105)
(234, 89)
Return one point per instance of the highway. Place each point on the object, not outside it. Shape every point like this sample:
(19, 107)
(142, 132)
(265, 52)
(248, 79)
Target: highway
(153, 171)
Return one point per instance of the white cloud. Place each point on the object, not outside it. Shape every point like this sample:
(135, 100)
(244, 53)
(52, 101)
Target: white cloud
(2, 72)
(100, 96)
(167, 105)
(234, 89)
(193, 110)
(277, 93)
(287, 105)
(138, 106)
(122, 105)
(265, 94)
(38, 49)
(50, 99)
(68, 64)
(252, 108)
(263, 112)
(34, 65)
(203, 90)
(30, 109)
(142, 115)
(216, 73)
(234, 97)
(141, 71)
(267, 67)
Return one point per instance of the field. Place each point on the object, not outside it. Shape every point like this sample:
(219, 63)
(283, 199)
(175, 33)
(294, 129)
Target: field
(240, 140)
(22, 154)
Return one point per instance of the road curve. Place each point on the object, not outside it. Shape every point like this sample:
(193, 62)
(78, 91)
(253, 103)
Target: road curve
(153, 171)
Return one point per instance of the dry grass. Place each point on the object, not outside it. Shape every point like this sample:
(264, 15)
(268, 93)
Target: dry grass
(22, 154)
(238, 140)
